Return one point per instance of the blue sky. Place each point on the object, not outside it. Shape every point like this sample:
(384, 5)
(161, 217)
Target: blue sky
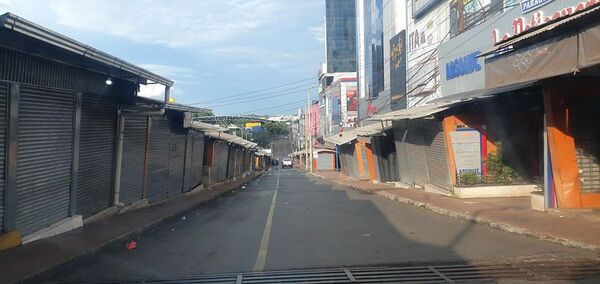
(210, 48)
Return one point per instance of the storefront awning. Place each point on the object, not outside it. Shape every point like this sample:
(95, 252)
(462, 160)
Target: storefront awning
(207, 127)
(413, 113)
(342, 138)
(562, 47)
(351, 135)
(231, 139)
(484, 93)
(373, 129)
(538, 31)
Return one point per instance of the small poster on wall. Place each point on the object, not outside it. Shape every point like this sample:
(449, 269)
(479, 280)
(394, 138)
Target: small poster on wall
(466, 146)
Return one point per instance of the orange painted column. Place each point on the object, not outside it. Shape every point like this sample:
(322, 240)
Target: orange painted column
(357, 149)
(561, 145)
(369, 151)
(449, 125)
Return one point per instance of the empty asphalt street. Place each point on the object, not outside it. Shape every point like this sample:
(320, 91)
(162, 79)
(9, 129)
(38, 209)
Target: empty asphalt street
(287, 219)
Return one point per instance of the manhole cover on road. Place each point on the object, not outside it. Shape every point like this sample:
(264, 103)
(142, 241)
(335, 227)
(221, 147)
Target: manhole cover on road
(459, 273)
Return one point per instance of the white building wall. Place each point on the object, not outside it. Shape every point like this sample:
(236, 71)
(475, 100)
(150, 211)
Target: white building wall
(360, 62)
(394, 21)
(422, 38)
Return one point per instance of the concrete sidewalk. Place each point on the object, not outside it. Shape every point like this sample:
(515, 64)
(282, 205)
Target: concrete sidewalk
(32, 262)
(575, 228)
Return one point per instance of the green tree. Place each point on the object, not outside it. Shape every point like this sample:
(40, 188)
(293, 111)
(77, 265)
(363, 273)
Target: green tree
(207, 112)
(276, 128)
(263, 138)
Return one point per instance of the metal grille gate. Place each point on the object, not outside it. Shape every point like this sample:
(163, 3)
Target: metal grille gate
(3, 109)
(45, 155)
(585, 128)
(176, 163)
(415, 146)
(134, 155)
(197, 158)
(97, 140)
(402, 160)
(158, 160)
(437, 157)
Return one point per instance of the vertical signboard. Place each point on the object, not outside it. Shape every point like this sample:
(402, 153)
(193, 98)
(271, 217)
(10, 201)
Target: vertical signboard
(398, 71)
(352, 100)
(466, 146)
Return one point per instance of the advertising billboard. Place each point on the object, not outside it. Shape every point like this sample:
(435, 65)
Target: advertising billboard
(352, 100)
(253, 124)
(398, 71)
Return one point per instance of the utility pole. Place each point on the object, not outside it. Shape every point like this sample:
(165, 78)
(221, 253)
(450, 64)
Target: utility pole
(310, 146)
(307, 129)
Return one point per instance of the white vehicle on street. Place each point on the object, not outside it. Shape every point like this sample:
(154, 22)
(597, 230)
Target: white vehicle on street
(286, 163)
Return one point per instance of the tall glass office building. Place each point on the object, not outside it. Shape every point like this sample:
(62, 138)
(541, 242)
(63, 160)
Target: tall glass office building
(340, 25)
(373, 46)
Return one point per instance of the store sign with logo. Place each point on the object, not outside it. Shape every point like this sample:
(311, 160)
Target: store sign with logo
(461, 66)
(522, 24)
(530, 5)
(466, 146)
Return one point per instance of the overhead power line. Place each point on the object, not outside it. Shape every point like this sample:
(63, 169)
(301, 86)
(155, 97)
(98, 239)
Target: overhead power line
(255, 91)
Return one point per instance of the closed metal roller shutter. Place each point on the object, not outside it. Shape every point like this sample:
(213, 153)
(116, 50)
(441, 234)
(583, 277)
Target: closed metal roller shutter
(437, 158)
(176, 163)
(45, 155)
(187, 176)
(402, 160)
(585, 128)
(365, 162)
(197, 159)
(325, 161)
(134, 155)
(349, 160)
(3, 110)
(158, 160)
(96, 148)
(415, 146)
(230, 162)
(223, 156)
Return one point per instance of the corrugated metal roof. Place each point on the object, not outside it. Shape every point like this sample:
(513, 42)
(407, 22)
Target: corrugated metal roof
(31, 30)
(207, 127)
(231, 139)
(350, 135)
(484, 93)
(342, 138)
(180, 107)
(541, 29)
(413, 113)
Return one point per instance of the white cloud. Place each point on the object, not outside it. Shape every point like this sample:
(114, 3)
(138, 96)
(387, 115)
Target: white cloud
(6, 2)
(169, 71)
(172, 23)
(318, 32)
(153, 91)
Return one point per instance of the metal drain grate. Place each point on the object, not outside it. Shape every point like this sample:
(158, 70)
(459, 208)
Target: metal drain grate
(402, 274)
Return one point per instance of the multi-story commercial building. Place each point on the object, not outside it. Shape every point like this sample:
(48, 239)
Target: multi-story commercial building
(339, 105)
(370, 61)
(394, 52)
(340, 35)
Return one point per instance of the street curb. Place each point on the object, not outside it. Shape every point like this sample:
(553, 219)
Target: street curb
(477, 220)
(75, 260)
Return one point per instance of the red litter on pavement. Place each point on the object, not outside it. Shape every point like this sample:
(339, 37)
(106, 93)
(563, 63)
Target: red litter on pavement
(131, 245)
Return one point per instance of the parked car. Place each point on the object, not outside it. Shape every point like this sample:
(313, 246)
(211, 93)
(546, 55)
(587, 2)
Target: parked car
(275, 162)
(286, 163)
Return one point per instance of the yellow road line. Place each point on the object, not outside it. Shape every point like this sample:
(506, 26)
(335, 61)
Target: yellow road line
(261, 258)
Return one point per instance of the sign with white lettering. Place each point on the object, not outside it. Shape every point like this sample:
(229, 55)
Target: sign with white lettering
(537, 18)
(466, 146)
(530, 5)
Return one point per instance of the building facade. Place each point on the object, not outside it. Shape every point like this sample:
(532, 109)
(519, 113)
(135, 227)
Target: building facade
(370, 51)
(340, 35)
